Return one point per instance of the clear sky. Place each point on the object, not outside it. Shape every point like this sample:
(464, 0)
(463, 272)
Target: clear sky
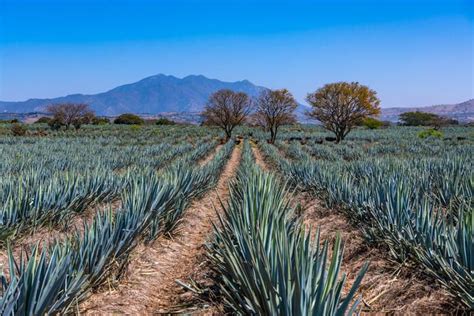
(416, 52)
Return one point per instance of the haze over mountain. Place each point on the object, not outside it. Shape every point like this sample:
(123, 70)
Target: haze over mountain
(165, 94)
(155, 94)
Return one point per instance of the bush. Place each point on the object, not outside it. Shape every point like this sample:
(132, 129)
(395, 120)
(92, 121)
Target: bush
(129, 119)
(55, 124)
(43, 120)
(100, 121)
(18, 130)
(135, 128)
(164, 121)
(372, 123)
(431, 132)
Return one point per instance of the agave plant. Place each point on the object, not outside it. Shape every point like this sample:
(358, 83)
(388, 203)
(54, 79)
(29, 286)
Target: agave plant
(419, 208)
(265, 262)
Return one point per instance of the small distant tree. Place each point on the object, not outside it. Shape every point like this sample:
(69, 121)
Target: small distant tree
(68, 114)
(419, 118)
(227, 109)
(129, 119)
(340, 106)
(164, 121)
(100, 121)
(274, 109)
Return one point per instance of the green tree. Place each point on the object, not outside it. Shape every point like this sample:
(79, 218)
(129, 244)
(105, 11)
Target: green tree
(419, 118)
(129, 119)
(164, 121)
(340, 106)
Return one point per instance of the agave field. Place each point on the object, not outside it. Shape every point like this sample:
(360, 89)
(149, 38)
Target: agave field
(79, 211)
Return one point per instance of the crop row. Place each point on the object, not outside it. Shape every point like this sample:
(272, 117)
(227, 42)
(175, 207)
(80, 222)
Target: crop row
(421, 208)
(53, 278)
(265, 260)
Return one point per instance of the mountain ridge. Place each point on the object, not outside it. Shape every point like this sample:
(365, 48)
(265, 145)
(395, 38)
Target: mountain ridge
(162, 93)
(153, 94)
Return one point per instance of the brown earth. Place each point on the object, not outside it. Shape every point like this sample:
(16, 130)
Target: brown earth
(387, 287)
(151, 286)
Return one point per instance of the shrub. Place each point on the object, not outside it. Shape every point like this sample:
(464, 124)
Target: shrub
(372, 123)
(55, 124)
(129, 119)
(18, 130)
(165, 121)
(431, 132)
(135, 128)
(100, 121)
(43, 120)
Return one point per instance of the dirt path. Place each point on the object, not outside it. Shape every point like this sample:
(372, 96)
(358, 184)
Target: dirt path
(208, 158)
(151, 286)
(386, 287)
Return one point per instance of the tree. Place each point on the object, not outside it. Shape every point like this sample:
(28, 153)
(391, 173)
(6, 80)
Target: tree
(129, 119)
(68, 114)
(274, 109)
(227, 109)
(100, 121)
(340, 106)
(419, 118)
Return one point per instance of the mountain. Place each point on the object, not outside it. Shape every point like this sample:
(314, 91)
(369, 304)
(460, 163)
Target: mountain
(155, 94)
(175, 97)
(463, 112)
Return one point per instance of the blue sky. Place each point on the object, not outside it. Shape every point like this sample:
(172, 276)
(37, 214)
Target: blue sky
(412, 52)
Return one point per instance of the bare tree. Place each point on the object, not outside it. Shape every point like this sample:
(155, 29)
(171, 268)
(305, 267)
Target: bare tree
(227, 109)
(340, 106)
(274, 109)
(68, 114)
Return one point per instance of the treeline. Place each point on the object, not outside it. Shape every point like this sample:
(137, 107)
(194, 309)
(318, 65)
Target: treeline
(339, 107)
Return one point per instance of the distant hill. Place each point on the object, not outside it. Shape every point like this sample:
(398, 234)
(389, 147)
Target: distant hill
(186, 97)
(155, 94)
(463, 112)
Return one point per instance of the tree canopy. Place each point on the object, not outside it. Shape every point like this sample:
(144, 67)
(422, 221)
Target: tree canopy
(67, 114)
(419, 118)
(129, 119)
(227, 109)
(274, 109)
(340, 106)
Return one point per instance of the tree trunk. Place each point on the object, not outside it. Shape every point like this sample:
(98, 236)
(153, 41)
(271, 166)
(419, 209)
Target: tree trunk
(339, 137)
(272, 136)
(228, 135)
